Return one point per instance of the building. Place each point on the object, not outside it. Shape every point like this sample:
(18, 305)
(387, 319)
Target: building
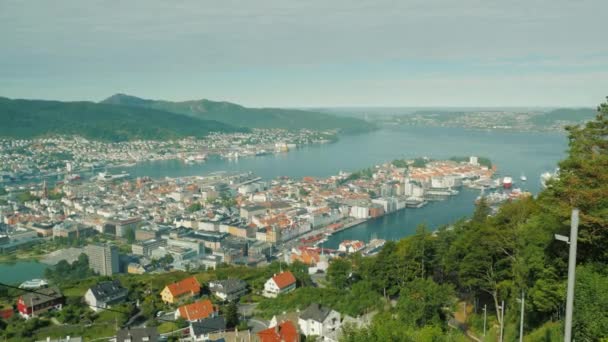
(63, 339)
(72, 230)
(105, 294)
(284, 332)
(319, 321)
(35, 303)
(149, 334)
(196, 311)
(281, 283)
(103, 259)
(200, 331)
(184, 288)
(145, 248)
(229, 289)
(120, 227)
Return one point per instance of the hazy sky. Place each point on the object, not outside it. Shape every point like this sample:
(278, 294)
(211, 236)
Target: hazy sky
(309, 52)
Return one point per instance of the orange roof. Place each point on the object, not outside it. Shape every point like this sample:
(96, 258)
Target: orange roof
(197, 310)
(284, 279)
(284, 332)
(188, 285)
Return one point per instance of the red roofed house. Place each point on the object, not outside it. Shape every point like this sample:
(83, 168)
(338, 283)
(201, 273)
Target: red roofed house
(284, 332)
(197, 311)
(184, 288)
(280, 283)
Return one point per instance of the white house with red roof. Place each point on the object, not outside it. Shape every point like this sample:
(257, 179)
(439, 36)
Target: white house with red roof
(280, 283)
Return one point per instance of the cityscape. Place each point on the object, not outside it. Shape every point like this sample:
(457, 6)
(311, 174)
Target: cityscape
(318, 171)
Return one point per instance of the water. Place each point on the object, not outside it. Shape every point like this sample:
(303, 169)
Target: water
(20, 271)
(514, 153)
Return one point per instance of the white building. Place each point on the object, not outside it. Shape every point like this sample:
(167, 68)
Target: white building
(317, 320)
(280, 283)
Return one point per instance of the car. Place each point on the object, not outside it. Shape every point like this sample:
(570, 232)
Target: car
(160, 313)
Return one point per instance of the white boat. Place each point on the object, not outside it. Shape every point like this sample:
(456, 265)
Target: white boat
(523, 178)
(34, 284)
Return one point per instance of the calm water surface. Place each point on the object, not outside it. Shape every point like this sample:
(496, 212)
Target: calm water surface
(530, 153)
(514, 153)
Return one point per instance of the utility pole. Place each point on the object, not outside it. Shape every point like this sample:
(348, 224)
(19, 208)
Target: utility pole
(502, 320)
(521, 319)
(485, 317)
(571, 275)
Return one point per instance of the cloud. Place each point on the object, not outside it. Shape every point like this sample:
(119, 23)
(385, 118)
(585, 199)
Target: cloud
(228, 41)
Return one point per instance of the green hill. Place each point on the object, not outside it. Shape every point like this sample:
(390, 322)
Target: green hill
(34, 118)
(574, 115)
(237, 115)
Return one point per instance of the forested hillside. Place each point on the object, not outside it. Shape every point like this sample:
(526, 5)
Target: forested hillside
(489, 259)
(34, 118)
(236, 115)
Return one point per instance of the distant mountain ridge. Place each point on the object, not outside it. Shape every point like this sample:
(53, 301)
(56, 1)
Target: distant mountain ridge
(237, 115)
(35, 118)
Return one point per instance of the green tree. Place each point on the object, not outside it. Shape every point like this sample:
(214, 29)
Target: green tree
(422, 302)
(232, 315)
(338, 272)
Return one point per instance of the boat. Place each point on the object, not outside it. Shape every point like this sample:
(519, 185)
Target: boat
(523, 177)
(507, 182)
(34, 284)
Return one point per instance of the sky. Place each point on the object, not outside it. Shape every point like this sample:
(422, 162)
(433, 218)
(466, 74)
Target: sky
(313, 53)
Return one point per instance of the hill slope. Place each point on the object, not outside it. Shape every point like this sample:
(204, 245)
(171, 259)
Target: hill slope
(573, 115)
(237, 115)
(33, 118)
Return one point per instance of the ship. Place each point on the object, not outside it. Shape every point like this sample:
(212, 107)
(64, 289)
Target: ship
(34, 284)
(507, 182)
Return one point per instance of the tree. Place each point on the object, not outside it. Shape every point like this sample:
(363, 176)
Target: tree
(232, 315)
(338, 272)
(590, 303)
(421, 302)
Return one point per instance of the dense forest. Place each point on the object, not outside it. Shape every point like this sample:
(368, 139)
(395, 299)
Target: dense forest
(240, 116)
(24, 119)
(486, 260)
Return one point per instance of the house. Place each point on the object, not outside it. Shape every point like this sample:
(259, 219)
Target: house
(63, 339)
(317, 320)
(41, 301)
(201, 330)
(281, 283)
(197, 311)
(229, 289)
(184, 288)
(284, 332)
(105, 294)
(149, 334)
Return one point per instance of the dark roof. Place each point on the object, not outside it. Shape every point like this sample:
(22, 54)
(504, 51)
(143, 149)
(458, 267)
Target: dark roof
(41, 296)
(108, 290)
(228, 285)
(207, 326)
(137, 334)
(315, 312)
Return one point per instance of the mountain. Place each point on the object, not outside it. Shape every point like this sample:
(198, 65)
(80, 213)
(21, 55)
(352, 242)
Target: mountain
(573, 115)
(236, 115)
(34, 118)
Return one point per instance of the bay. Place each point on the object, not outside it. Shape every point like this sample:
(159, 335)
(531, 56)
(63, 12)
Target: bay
(530, 153)
(19, 271)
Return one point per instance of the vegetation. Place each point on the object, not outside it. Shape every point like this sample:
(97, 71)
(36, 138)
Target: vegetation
(235, 115)
(64, 272)
(490, 259)
(35, 118)
(572, 115)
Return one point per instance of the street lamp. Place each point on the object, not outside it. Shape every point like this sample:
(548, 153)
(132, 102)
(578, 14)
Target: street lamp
(521, 319)
(571, 272)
